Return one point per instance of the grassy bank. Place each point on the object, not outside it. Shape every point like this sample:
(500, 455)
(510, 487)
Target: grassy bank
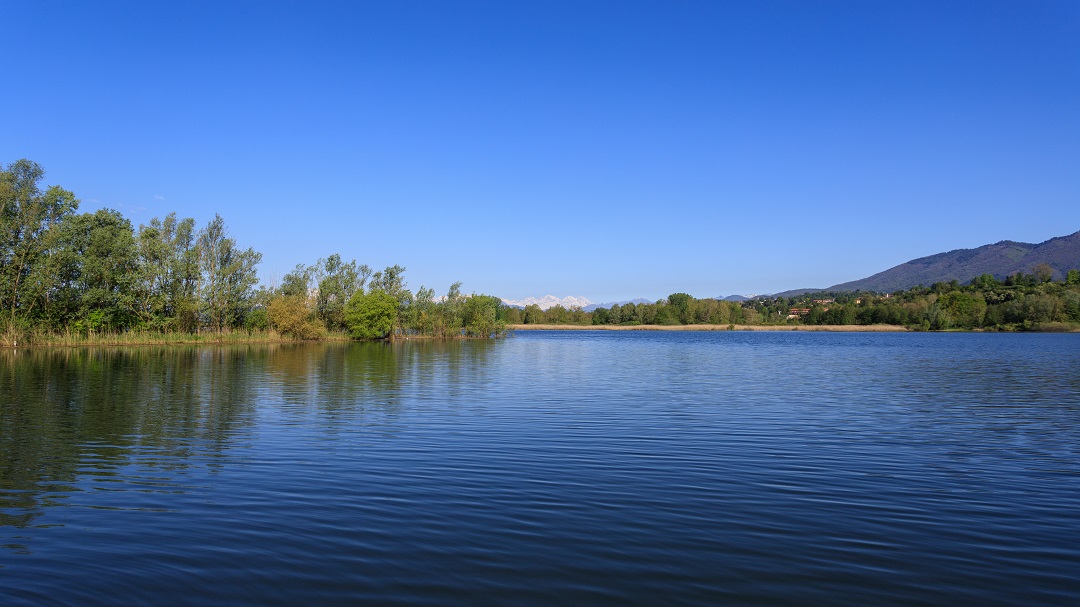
(153, 338)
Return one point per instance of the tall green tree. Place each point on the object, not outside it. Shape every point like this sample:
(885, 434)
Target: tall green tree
(679, 304)
(168, 274)
(480, 313)
(337, 283)
(451, 310)
(228, 276)
(27, 214)
(423, 315)
(94, 264)
(391, 281)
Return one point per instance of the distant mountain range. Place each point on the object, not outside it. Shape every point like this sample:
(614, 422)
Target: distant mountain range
(549, 301)
(999, 259)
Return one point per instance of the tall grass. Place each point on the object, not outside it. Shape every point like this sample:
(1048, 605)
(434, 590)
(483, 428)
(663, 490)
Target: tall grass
(146, 338)
(23, 338)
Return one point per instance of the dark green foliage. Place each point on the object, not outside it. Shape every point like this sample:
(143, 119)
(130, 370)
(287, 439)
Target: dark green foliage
(534, 315)
(296, 283)
(1021, 301)
(167, 275)
(335, 297)
(678, 309)
(481, 316)
(371, 315)
(601, 316)
(337, 282)
(963, 309)
(28, 220)
(392, 282)
(257, 320)
(92, 267)
(93, 272)
(229, 277)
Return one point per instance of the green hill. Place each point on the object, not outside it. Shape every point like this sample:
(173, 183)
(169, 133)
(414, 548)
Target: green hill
(999, 259)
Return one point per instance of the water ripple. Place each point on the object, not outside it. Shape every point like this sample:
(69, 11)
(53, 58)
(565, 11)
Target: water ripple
(573, 468)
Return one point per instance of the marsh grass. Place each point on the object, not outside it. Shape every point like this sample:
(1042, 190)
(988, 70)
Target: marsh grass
(148, 338)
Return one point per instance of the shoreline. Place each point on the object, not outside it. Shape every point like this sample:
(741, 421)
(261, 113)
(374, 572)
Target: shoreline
(151, 339)
(823, 328)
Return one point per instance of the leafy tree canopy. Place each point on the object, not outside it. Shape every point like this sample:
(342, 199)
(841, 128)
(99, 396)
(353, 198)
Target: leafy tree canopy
(371, 315)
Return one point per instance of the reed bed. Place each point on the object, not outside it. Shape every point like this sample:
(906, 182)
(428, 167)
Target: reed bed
(155, 338)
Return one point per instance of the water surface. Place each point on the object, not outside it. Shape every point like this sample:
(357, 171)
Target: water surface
(564, 467)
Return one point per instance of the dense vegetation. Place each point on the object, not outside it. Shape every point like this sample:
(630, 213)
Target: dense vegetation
(335, 296)
(1020, 302)
(65, 273)
(677, 309)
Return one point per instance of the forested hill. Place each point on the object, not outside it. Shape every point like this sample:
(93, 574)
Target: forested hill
(1000, 260)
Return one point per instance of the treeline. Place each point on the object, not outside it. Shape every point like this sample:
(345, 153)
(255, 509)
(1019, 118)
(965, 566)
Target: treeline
(677, 309)
(93, 272)
(1023, 302)
(1019, 302)
(62, 272)
(335, 296)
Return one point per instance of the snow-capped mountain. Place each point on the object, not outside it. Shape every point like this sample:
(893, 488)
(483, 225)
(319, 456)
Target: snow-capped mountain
(549, 301)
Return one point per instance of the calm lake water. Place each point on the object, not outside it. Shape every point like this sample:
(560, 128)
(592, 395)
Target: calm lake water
(548, 468)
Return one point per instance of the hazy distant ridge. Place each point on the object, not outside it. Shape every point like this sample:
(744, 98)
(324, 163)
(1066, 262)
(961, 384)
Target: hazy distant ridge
(1000, 259)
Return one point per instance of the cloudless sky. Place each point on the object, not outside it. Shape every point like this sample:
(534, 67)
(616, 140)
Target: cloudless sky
(610, 150)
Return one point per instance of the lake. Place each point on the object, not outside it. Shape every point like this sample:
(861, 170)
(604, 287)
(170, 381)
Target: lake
(617, 468)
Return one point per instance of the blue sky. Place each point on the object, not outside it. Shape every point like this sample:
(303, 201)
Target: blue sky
(604, 149)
